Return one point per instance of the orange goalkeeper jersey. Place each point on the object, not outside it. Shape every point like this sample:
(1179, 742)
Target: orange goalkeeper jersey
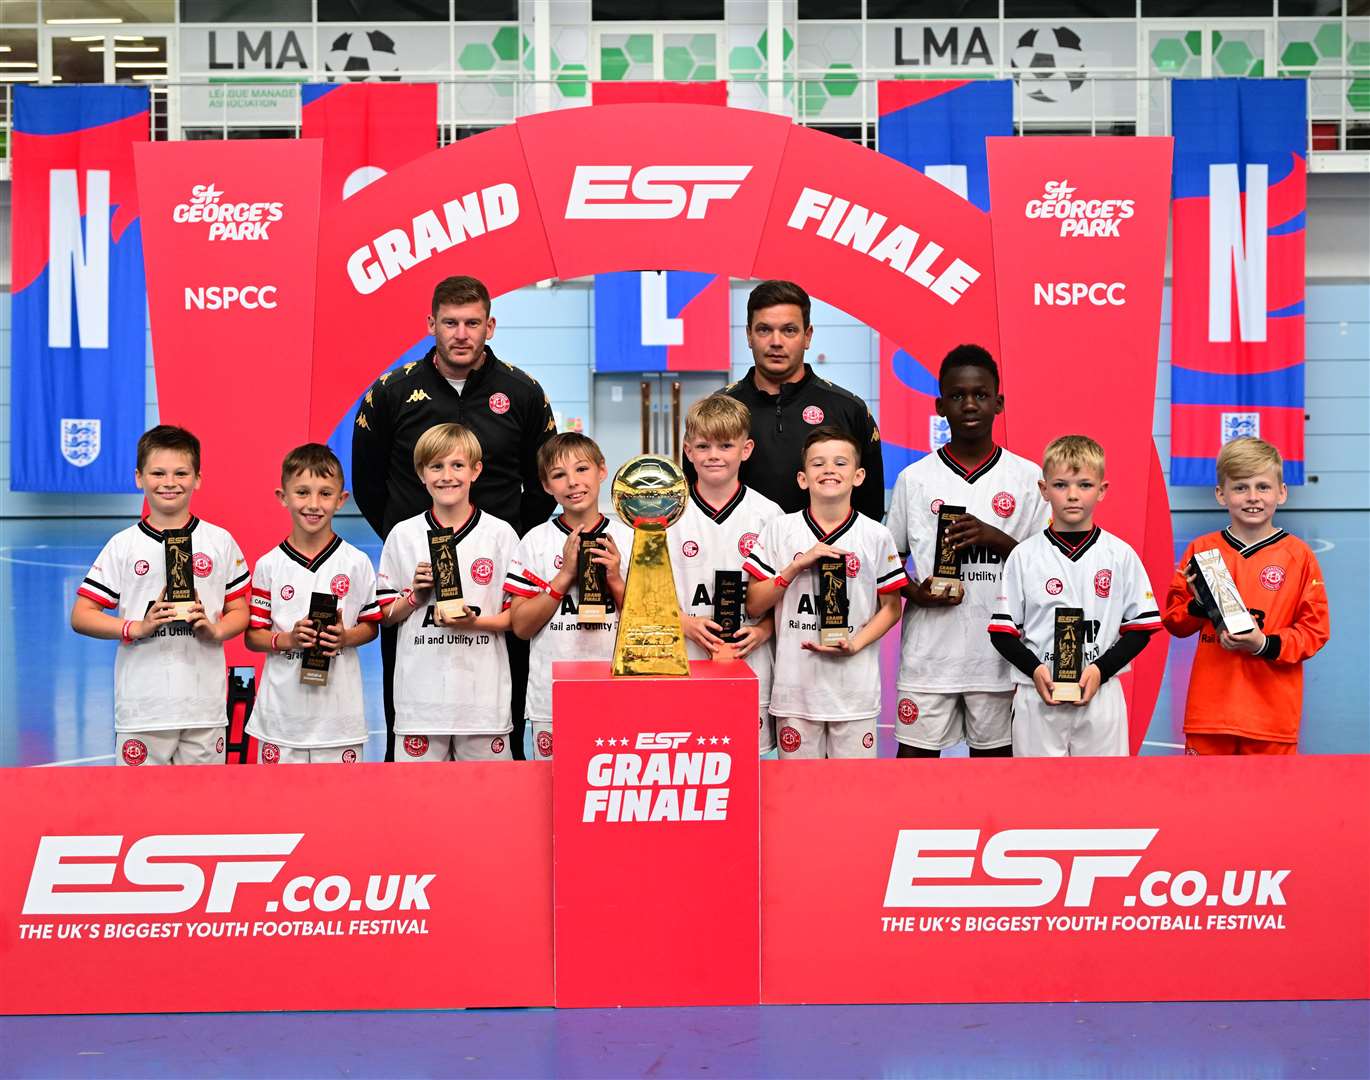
(1256, 696)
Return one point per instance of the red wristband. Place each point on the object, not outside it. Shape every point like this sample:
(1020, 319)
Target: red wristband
(557, 596)
(781, 581)
(124, 634)
(274, 636)
(410, 597)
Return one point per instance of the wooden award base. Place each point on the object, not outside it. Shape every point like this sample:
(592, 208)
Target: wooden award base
(182, 608)
(592, 615)
(948, 587)
(1065, 691)
(451, 609)
(835, 635)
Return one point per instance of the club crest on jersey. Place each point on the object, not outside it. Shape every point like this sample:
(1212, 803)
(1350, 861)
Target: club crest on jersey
(499, 403)
(482, 571)
(813, 415)
(853, 564)
(908, 710)
(340, 584)
(271, 753)
(544, 741)
(935, 506)
(134, 752)
(1272, 577)
(1004, 504)
(80, 441)
(416, 745)
(287, 591)
(1103, 583)
(1054, 586)
(349, 756)
(1191, 750)
(868, 739)
(219, 745)
(789, 739)
(496, 745)
(690, 549)
(557, 562)
(745, 543)
(202, 564)
(141, 567)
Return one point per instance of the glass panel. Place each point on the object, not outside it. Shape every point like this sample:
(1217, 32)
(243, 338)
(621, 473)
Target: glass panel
(961, 49)
(142, 61)
(1070, 9)
(626, 56)
(829, 9)
(932, 9)
(109, 11)
(655, 10)
(1051, 63)
(1206, 9)
(486, 11)
(383, 10)
(19, 60)
(259, 11)
(1289, 8)
(689, 57)
(18, 12)
(366, 54)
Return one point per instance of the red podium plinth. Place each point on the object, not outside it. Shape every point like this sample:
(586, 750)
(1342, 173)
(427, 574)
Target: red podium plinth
(656, 824)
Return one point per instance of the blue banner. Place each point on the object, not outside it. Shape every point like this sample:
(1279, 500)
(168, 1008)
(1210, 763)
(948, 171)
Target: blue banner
(661, 320)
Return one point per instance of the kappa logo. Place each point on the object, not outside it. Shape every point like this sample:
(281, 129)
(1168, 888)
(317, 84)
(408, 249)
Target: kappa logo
(141, 567)
(690, 549)
(1272, 577)
(340, 585)
(499, 403)
(853, 564)
(908, 710)
(813, 415)
(1103, 583)
(416, 745)
(790, 739)
(746, 542)
(362, 422)
(1054, 586)
(134, 752)
(287, 591)
(1079, 217)
(1004, 504)
(652, 192)
(227, 220)
(271, 753)
(482, 571)
(417, 395)
(202, 564)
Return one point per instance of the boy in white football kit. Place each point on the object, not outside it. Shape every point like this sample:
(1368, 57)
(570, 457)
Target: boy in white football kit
(826, 698)
(451, 674)
(542, 574)
(1073, 564)
(296, 722)
(721, 522)
(952, 683)
(170, 680)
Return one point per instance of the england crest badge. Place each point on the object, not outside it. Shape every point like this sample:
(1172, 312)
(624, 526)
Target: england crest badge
(80, 441)
(1241, 425)
(939, 432)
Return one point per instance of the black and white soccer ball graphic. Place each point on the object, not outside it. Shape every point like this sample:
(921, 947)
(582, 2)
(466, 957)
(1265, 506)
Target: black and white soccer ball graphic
(359, 55)
(1050, 62)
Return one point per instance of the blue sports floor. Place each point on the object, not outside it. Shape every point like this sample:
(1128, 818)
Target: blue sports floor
(56, 693)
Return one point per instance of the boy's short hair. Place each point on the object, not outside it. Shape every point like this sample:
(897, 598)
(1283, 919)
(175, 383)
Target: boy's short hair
(168, 437)
(312, 459)
(718, 417)
(567, 444)
(440, 440)
(829, 433)
(456, 291)
(1246, 457)
(1078, 452)
(771, 293)
(968, 356)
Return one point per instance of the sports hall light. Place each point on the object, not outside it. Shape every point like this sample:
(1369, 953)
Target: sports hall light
(141, 64)
(18, 63)
(82, 22)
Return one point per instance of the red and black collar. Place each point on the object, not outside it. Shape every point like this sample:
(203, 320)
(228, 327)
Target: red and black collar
(974, 472)
(828, 538)
(318, 560)
(1076, 551)
(156, 534)
(459, 534)
(1247, 550)
(598, 530)
(718, 513)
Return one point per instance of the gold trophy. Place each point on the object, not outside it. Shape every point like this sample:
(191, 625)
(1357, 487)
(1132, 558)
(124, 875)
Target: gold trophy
(946, 574)
(832, 601)
(1066, 668)
(180, 586)
(649, 493)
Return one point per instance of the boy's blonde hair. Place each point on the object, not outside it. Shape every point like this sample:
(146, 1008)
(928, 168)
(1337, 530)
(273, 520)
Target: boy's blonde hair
(718, 417)
(567, 444)
(442, 439)
(1077, 452)
(1246, 457)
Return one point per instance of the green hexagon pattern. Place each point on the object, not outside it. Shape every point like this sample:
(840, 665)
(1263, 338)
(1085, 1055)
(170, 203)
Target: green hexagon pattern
(1328, 41)
(1170, 54)
(676, 63)
(840, 80)
(1358, 55)
(1358, 95)
(572, 80)
(1233, 58)
(787, 43)
(613, 64)
(639, 48)
(745, 63)
(506, 43)
(476, 57)
(1298, 54)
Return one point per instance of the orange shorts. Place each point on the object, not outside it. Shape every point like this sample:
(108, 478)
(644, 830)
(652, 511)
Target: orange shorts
(1195, 743)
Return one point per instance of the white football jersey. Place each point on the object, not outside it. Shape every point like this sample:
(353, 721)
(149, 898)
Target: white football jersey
(944, 649)
(1101, 575)
(810, 685)
(171, 679)
(707, 539)
(450, 681)
(288, 712)
(536, 562)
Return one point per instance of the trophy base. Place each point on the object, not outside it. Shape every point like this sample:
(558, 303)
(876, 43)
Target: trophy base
(948, 587)
(1065, 692)
(451, 609)
(592, 615)
(838, 635)
(313, 676)
(182, 609)
(1237, 624)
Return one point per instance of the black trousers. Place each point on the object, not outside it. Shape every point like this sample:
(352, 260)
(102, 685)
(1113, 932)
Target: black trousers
(518, 681)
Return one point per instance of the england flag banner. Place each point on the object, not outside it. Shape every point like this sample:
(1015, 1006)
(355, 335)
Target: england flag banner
(80, 312)
(938, 127)
(1237, 344)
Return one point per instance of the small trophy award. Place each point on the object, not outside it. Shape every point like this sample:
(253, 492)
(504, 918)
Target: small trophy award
(1217, 594)
(323, 611)
(729, 593)
(946, 570)
(593, 607)
(1065, 665)
(442, 556)
(832, 601)
(180, 586)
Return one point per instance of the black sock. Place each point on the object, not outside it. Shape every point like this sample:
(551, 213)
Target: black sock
(995, 751)
(916, 751)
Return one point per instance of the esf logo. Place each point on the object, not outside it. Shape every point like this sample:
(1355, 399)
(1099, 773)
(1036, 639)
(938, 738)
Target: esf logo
(1072, 293)
(651, 193)
(223, 297)
(1079, 217)
(228, 221)
(666, 783)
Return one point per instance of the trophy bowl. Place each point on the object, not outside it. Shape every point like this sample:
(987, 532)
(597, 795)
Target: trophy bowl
(649, 492)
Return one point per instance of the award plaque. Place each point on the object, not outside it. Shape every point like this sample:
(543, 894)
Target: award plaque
(946, 569)
(729, 595)
(1066, 667)
(593, 607)
(442, 556)
(180, 585)
(832, 601)
(1217, 594)
(323, 611)
(649, 493)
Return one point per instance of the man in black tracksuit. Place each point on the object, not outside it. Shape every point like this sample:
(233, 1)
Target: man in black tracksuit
(788, 400)
(460, 381)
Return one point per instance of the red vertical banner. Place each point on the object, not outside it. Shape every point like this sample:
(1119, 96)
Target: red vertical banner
(657, 849)
(231, 236)
(1079, 252)
(368, 130)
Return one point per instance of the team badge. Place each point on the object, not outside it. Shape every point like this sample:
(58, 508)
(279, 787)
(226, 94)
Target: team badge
(340, 584)
(935, 506)
(496, 745)
(868, 739)
(813, 415)
(141, 567)
(499, 403)
(134, 752)
(349, 756)
(544, 741)
(745, 543)
(287, 591)
(1272, 577)
(482, 571)
(219, 745)
(853, 564)
(908, 710)
(1103, 583)
(1004, 504)
(690, 549)
(271, 753)
(202, 564)
(1191, 750)
(1054, 586)
(80, 441)
(416, 745)
(789, 739)
(557, 562)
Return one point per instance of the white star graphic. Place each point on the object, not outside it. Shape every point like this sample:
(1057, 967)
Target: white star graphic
(726, 740)
(713, 740)
(599, 742)
(700, 740)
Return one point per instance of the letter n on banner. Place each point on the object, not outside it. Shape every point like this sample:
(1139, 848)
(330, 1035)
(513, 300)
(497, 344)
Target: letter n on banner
(80, 337)
(939, 128)
(1237, 341)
